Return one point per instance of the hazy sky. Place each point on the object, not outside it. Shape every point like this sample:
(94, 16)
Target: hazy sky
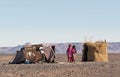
(39, 21)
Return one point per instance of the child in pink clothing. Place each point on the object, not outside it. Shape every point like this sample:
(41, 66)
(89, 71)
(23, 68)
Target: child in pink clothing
(74, 52)
(70, 53)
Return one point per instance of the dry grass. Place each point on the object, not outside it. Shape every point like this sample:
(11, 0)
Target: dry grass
(78, 69)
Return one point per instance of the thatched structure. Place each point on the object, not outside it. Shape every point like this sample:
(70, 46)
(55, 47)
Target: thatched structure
(95, 51)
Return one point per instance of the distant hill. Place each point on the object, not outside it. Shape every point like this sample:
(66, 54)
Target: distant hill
(113, 47)
(62, 47)
(10, 50)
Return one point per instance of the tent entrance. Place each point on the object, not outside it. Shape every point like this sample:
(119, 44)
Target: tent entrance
(85, 54)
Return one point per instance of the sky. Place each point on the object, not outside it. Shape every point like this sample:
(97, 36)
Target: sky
(58, 21)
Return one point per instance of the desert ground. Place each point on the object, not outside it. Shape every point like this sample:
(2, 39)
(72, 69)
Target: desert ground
(62, 68)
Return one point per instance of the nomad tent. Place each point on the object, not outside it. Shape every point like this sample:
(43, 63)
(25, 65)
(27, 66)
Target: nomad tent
(32, 54)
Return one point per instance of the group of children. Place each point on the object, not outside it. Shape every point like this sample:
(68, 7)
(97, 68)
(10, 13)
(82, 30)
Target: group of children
(71, 50)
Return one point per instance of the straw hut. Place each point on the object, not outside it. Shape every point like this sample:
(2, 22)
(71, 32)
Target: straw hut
(95, 51)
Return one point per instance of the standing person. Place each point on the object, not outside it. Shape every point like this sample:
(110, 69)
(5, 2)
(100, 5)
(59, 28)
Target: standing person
(74, 53)
(69, 53)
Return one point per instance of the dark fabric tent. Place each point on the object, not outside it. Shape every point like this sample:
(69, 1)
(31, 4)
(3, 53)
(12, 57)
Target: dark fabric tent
(19, 58)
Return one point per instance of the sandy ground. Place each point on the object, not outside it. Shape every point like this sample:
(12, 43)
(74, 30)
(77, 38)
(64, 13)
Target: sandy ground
(62, 69)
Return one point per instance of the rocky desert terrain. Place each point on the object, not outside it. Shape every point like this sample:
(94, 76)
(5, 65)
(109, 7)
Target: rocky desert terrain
(62, 68)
